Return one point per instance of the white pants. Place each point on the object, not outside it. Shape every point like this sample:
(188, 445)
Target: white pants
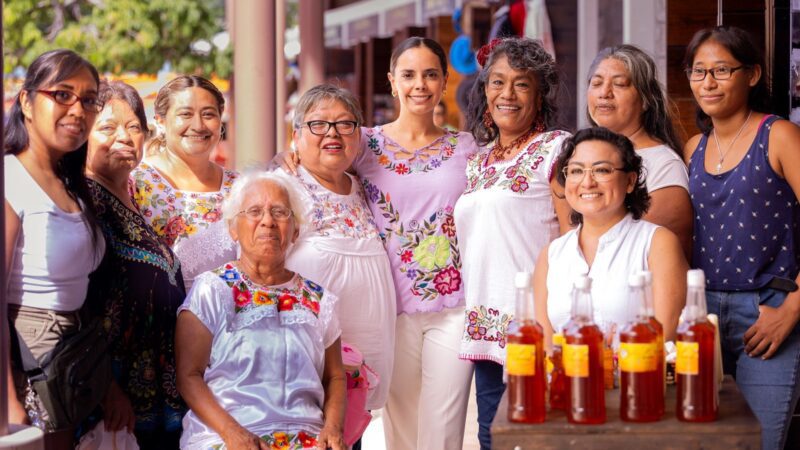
(428, 397)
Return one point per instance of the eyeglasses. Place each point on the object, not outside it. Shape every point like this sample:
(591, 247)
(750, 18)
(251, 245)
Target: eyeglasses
(256, 213)
(717, 73)
(321, 127)
(601, 172)
(67, 98)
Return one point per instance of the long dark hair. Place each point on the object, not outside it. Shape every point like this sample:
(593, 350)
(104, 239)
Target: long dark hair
(638, 201)
(415, 42)
(742, 46)
(48, 69)
(523, 54)
(657, 111)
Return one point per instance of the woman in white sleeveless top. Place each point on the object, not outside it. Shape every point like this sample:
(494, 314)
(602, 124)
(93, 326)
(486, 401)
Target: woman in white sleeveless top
(602, 178)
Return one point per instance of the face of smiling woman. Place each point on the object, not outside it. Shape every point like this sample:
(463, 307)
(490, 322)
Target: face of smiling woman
(193, 123)
(418, 79)
(512, 98)
(116, 141)
(332, 153)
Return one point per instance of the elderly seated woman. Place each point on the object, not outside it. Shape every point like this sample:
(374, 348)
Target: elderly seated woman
(602, 179)
(257, 346)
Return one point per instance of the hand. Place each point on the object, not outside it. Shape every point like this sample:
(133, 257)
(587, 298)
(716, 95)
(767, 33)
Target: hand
(238, 438)
(765, 336)
(331, 437)
(288, 161)
(117, 410)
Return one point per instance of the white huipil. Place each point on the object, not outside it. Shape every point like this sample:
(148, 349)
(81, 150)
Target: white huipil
(503, 220)
(339, 248)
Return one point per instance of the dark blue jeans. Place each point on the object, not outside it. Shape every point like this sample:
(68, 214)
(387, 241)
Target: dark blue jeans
(770, 386)
(489, 388)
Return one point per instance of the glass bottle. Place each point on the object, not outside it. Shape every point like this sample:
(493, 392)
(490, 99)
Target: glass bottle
(694, 365)
(651, 315)
(583, 359)
(641, 389)
(558, 380)
(525, 358)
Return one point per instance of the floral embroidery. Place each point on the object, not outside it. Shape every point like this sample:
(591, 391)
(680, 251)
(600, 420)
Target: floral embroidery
(517, 176)
(280, 440)
(173, 214)
(428, 251)
(346, 215)
(486, 324)
(446, 146)
(248, 296)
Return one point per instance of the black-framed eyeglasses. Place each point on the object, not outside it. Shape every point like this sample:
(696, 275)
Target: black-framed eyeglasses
(321, 127)
(601, 172)
(717, 73)
(256, 213)
(67, 98)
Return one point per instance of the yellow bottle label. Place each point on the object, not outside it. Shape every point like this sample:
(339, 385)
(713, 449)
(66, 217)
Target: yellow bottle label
(576, 360)
(521, 359)
(638, 357)
(686, 363)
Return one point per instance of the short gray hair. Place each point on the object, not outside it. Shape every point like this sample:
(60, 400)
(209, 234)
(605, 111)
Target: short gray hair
(233, 203)
(314, 96)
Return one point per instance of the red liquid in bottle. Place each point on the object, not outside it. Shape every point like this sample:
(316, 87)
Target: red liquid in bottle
(526, 377)
(641, 377)
(558, 380)
(694, 373)
(661, 362)
(583, 365)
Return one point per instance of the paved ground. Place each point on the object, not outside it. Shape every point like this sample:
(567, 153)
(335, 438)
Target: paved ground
(373, 437)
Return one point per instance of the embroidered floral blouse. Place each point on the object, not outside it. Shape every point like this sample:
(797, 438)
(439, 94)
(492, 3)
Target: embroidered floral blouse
(504, 219)
(180, 217)
(267, 354)
(412, 194)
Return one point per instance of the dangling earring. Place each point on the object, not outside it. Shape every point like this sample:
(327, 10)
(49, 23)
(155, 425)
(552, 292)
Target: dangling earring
(394, 93)
(538, 127)
(487, 119)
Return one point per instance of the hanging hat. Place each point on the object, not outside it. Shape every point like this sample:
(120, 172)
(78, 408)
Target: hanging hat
(462, 58)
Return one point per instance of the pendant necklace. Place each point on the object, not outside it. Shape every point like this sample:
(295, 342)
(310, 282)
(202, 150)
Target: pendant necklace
(719, 149)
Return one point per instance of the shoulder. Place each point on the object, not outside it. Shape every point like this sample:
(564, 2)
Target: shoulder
(691, 146)
(785, 134)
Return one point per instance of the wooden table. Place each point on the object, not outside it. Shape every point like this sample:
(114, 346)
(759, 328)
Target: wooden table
(735, 428)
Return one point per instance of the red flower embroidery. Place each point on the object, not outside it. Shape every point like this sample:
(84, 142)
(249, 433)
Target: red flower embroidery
(520, 184)
(447, 281)
(211, 216)
(348, 222)
(286, 302)
(449, 226)
(175, 226)
(406, 256)
(490, 172)
(311, 305)
(308, 441)
(241, 298)
(401, 169)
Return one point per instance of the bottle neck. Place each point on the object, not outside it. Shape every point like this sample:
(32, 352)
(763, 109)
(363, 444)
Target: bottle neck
(582, 308)
(524, 304)
(648, 301)
(695, 309)
(637, 303)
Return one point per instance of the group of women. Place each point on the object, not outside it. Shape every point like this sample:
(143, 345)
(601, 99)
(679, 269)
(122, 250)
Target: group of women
(227, 297)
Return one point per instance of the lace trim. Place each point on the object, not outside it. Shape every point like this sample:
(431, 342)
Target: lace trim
(206, 250)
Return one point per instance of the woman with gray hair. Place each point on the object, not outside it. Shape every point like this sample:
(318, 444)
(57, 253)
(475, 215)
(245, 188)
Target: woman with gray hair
(507, 213)
(339, 245)
(624, 95)
(257, 345)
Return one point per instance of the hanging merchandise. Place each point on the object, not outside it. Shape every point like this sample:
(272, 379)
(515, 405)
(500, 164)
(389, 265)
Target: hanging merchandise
(462, 58)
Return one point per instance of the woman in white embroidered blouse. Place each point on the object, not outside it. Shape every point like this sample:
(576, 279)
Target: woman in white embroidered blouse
(257, 345)
(602, 178)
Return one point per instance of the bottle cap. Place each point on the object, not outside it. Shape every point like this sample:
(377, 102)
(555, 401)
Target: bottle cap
(636, 280)
(558, 339)
(696, 278)
(583, 282)
(648, 276)
(522, 280)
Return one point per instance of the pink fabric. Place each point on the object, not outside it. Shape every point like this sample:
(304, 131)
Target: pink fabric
(412, 200)
(360, 379)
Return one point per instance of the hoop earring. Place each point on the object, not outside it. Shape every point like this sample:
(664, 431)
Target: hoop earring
(487, 119)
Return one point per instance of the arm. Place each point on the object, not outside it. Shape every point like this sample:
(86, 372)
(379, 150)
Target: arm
(669, 268)
(671, 208)
(765, 337)
(563, 209)
(16, 413)
(192, 352)
(690, 147)
(540, 297)
(335, 383)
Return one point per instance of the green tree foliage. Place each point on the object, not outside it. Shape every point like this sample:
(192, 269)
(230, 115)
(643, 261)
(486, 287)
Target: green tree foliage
(118, 35)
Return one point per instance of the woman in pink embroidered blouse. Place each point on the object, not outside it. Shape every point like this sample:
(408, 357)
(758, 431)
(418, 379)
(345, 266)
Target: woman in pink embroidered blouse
(507, 213)
(178, 190)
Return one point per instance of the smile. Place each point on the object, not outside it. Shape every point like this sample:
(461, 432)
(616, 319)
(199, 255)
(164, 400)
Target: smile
(508, 108)
(590, 195)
